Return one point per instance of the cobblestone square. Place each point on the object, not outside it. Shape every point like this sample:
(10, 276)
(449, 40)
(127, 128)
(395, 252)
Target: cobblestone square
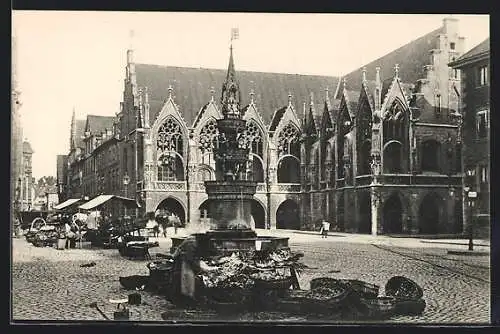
(48, 284)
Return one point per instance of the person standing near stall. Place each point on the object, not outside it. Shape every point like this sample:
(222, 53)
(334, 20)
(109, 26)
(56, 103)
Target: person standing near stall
(186, 286)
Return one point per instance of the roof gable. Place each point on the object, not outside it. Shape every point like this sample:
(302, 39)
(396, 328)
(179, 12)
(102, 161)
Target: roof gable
(395, 91)
(98, 124)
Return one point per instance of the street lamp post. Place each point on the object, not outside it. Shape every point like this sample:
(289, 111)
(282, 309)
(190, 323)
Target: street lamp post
(126, 180)
(471, 196)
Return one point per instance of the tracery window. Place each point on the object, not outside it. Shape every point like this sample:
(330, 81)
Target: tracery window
(344, 126)
(364, 140)
(207, 135)
(170, 146)
(288, 141)
(396, 142)
(254, 136)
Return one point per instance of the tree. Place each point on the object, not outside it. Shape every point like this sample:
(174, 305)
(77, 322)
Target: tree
(43, 184)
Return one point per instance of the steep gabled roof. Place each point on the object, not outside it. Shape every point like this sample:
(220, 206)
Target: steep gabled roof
(97, 124)
(479, 51)
(411, 59)
(192, 88)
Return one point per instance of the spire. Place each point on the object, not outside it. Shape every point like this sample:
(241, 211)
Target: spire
(364, 74)
(212, 93)
(146, 107)
(252, 93)
(378, 82)
(289, 99)
(396, 71)
(231, 95)
(130, 50)
(170, 89)
(304, 113)
(72, 137)
(327, 93)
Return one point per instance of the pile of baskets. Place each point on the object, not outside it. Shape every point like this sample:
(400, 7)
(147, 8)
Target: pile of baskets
(355, 299)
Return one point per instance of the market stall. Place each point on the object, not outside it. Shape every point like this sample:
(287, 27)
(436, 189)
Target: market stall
(103, 230)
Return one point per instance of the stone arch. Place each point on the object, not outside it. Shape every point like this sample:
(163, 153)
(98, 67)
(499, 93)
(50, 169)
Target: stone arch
(393, 157)
(392, 218)
(288, 215)
(258, 211)
(365, 212)
(205, 173)
(430, 213)
(171, 204)
(257, 168)
(288, 169)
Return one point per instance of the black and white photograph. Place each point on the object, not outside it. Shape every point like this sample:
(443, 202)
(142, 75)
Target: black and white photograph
(232, 167)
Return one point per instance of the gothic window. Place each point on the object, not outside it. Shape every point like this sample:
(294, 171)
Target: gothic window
(170, 151)
(364, 140)
(344, 126)
(288, 141)
(170, 167)
(430, 156)
(254, 136)
(395, 135)
(207, 135)
(170, 137)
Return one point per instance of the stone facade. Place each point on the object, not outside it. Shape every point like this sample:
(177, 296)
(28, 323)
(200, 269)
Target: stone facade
(475, 108)
(16, 153)
(380, 157)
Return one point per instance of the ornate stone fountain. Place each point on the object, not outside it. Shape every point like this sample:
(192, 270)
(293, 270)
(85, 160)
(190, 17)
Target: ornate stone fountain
(230, 195)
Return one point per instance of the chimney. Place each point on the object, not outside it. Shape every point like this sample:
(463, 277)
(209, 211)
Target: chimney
(450, 25)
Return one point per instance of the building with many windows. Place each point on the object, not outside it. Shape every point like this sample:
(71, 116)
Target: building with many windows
(378, 153)
(475, 108)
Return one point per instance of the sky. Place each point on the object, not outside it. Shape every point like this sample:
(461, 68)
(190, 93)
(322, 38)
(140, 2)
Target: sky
(76, 60)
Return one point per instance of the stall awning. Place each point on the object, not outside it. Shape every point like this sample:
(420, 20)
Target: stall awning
(66, 203)
(101, 199)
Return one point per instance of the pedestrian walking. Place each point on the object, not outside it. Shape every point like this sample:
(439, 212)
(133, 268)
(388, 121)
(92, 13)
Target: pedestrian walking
(325, 227)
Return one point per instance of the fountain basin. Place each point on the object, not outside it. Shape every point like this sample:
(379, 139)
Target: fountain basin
(213, 243)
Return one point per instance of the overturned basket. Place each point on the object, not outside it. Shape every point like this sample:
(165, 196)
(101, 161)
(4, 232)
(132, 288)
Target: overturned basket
(403, 288)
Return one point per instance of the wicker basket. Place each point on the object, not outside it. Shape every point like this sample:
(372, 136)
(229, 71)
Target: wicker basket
(323, 282)
(278, 284)
(409, 307)
(333, 304)
(226, 295)
(380, 307)
(403, 288)
(363, 289)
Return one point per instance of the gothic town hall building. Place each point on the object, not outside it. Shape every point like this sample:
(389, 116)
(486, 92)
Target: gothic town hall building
(377, 151)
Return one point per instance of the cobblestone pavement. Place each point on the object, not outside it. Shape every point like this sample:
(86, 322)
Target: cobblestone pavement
(48, 284)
